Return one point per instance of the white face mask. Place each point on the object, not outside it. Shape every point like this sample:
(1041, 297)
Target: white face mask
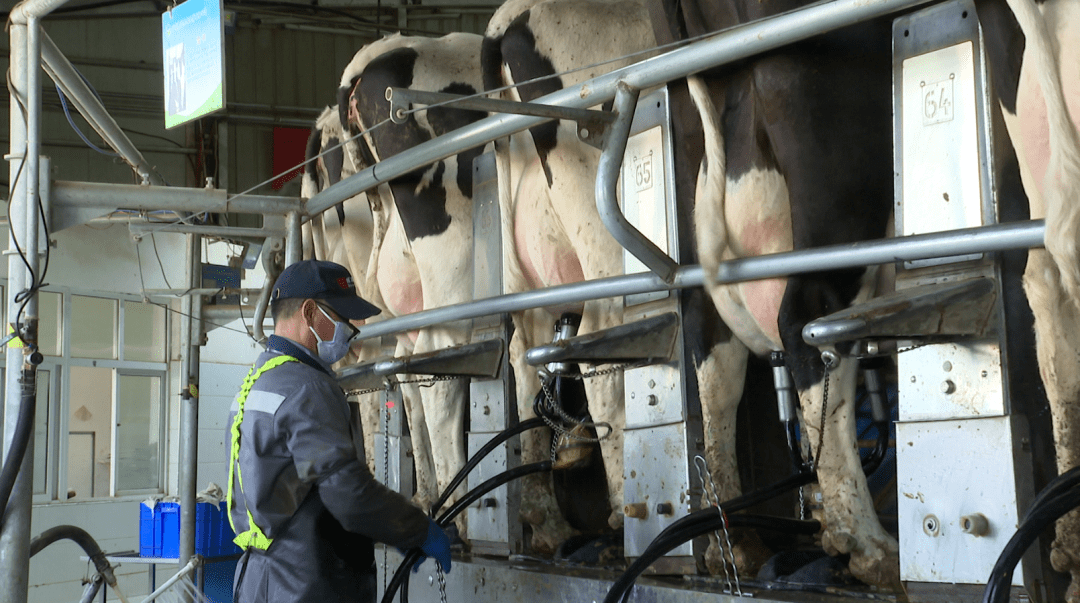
(335, 349)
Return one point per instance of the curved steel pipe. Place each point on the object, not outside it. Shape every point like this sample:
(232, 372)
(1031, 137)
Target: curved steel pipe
(607, 180)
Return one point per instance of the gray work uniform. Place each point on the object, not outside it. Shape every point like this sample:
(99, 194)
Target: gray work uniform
(308, 488)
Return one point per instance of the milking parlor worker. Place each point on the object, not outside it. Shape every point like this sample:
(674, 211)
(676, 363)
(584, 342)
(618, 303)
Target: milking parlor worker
(305, 508)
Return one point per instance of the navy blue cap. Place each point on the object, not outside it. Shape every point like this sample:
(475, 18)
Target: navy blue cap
(327, 282)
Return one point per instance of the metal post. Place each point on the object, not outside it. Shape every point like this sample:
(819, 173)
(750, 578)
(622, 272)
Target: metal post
(15, 535)
(293, 238)
(607, 180)
(191, 339)
(91, 108)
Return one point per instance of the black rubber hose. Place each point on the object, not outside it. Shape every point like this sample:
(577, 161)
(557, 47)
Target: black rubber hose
(474, 495)
(24, 424)
(80, 537)
(871, 464)
(413, 555)
(479, 456)
(762, 494)
(1059, 497)
(703, 524)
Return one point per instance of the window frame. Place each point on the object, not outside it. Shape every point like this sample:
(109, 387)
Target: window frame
(58, 427)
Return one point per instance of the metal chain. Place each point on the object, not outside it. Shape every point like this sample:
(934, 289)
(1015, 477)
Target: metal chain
(711, 494)
(824, 412)
(802, 504)
(386, 470)
(559, 430)
(442, 581)
(393, 382)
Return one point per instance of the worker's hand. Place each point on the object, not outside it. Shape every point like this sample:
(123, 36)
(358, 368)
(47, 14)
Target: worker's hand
(436, 545)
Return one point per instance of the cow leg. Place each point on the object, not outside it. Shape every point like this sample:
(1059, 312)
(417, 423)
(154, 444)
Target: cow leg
(1057, 336)
(606, 405)
(539, 507)
(427, 487)
(443, 405)
(721, 377)
(850, 524)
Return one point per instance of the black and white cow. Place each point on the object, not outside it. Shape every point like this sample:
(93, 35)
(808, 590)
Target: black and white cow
(547, 181)
(425, 256)
(549, 214)
(1033, 49)
(792, 150)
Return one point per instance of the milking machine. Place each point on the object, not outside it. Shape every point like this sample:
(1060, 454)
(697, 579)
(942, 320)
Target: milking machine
(973, 444)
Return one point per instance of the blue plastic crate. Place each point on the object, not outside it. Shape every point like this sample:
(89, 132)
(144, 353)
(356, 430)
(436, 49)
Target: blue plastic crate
(159, 531)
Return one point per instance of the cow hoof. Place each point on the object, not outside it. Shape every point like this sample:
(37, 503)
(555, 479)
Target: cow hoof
(838, 543)
(606, 550)
(750, 554)
(880, 568)
(829, 571)
(786, 563)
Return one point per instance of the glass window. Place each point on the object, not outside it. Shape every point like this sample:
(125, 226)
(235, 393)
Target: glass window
(138, 431)
(89, 432)
(144, 332)
(49, 323)
(41, 432)
(93, 327)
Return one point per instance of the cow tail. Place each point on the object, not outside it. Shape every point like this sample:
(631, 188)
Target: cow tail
(709, 194)
(1061, 187)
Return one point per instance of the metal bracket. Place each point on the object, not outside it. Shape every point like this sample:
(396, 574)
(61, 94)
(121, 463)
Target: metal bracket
(481, 359)
(649, 340)
(591, 125)
(959, 309)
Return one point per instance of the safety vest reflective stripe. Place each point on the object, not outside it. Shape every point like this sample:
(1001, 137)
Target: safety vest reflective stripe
(253, 536)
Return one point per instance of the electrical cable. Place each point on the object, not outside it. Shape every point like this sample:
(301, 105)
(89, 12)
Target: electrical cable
(473, 461)
(703, 522)
(413, 555)
(71, 122)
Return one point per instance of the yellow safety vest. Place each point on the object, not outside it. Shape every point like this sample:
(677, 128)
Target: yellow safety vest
(253, 536)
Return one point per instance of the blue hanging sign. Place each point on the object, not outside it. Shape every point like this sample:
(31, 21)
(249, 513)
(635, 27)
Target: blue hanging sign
(192, 46)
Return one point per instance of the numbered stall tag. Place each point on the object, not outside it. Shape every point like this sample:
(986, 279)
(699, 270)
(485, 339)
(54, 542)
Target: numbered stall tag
(941, 165)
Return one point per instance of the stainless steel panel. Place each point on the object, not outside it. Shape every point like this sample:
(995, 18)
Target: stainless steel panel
(654, 396)
(657, 471)
(951, 381)
(942, 131)
(949, 470)
(393, 465)
(494, 527)
(488, 411)
(487, 233)
(647, 183)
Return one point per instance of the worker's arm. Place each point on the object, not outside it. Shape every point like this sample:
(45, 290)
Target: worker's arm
(319, 437)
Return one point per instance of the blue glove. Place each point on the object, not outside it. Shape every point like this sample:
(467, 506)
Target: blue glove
(436, 545)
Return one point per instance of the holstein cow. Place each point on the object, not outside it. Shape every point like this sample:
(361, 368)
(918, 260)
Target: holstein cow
(352, 234)
(792, 150)
(1034, 50)
(350, 220)
(429, 226)
(546, 180)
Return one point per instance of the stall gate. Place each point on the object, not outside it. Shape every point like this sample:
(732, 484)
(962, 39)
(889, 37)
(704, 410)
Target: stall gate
(965, 461)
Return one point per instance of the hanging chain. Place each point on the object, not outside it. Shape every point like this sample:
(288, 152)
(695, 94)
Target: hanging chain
(422, 381)
(386, 469)
(802, 504)
(712, 494)
(442, 581)
(560, 431)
